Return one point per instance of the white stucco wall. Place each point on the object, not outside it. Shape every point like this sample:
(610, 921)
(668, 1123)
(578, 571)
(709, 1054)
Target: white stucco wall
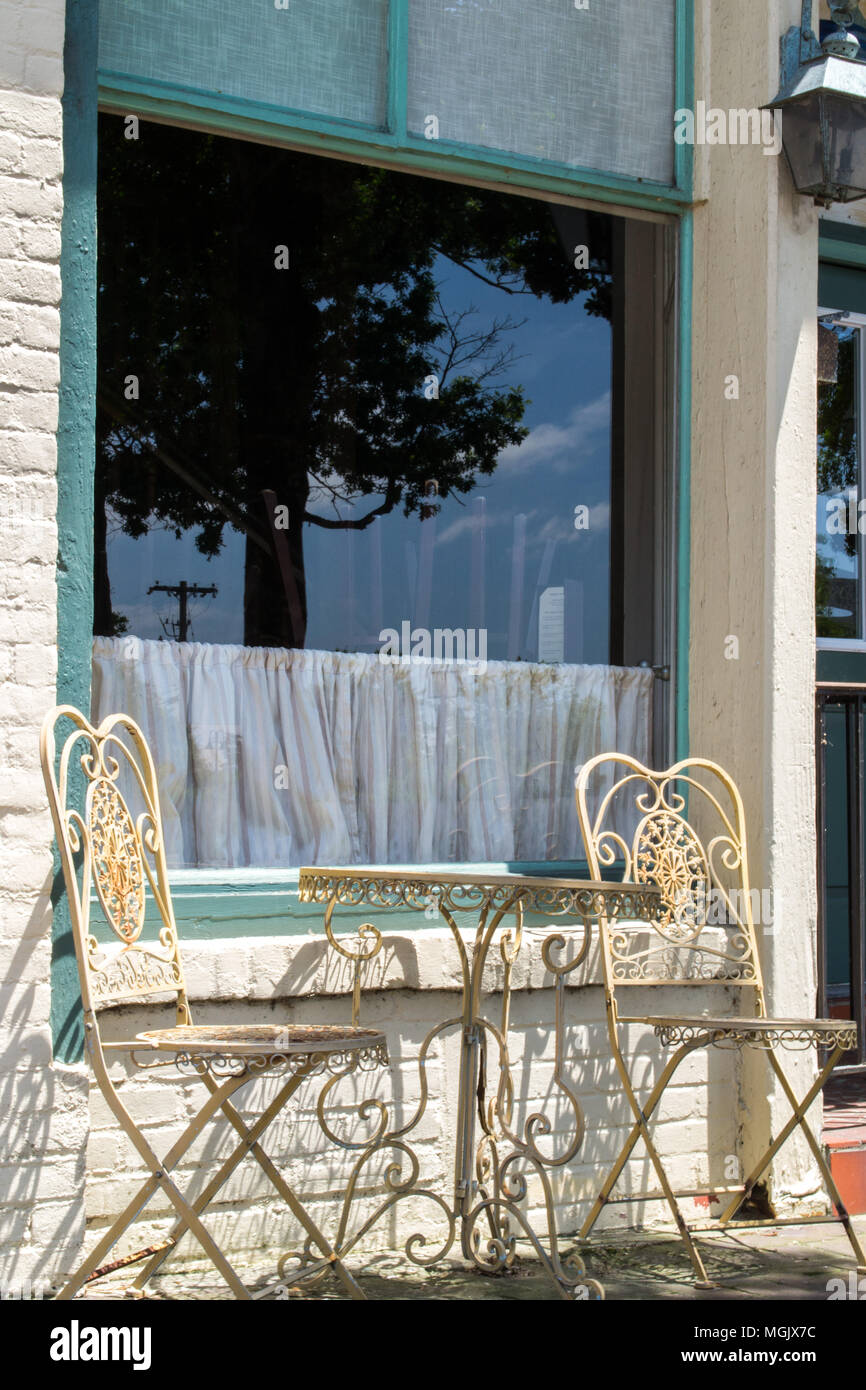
(753, 518)
(43, 1112)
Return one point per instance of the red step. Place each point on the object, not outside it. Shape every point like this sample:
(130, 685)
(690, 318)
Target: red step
(845, 1137)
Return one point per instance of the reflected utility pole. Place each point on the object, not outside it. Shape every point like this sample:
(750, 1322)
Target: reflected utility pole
(183, 592)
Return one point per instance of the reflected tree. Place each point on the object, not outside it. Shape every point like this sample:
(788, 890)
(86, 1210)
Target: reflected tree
(267, 322)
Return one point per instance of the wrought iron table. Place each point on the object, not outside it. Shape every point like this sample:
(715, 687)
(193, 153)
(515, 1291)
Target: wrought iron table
(489, 1181)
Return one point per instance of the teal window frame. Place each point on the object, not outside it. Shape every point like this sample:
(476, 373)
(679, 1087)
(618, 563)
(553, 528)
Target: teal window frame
(122, 93)
(213, 906)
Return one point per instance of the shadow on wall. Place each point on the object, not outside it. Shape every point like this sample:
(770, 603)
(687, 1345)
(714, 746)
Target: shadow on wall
(43, 1124)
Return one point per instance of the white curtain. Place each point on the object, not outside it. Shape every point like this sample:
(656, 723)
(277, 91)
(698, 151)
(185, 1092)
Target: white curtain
(276, 758)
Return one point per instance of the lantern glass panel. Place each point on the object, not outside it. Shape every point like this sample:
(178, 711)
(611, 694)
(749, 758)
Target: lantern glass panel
(801, 139)
(845, 132)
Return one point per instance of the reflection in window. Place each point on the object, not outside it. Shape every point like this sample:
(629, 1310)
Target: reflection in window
(353, 521)
(411, 399)
(837, 584)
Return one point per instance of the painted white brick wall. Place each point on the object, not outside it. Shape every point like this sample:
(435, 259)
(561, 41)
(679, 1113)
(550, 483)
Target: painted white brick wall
(43, 1106)
(413, 986)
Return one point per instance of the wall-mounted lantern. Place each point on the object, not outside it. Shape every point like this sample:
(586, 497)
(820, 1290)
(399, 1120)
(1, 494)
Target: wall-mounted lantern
(822, 100)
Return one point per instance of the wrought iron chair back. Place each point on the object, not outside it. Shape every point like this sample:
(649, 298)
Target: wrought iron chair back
(684, 830)
(117, 850)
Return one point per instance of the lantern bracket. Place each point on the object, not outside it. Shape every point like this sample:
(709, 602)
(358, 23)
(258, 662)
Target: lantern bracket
(800, 46)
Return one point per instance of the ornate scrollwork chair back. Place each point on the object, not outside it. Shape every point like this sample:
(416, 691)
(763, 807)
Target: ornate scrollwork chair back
(104, 803)
(684, 830)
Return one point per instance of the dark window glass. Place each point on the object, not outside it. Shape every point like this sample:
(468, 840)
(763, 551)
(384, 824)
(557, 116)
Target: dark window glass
(837, 581)
(347, 399)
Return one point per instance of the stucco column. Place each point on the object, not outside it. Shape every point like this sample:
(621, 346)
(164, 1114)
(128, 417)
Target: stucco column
(752, 656)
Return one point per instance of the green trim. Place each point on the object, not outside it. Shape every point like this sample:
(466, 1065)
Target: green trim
(398, 69)
(841, 285)
(837, 665)
(684, 487)
(841, 243)
(210, 905)
(75, 453)
(179, 104)
(684, 91)
(842, 253)
(223, 115)
(842, 261)
(684, 174)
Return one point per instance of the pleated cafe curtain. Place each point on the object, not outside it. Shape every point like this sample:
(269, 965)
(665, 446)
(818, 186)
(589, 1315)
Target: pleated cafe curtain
(276, 758)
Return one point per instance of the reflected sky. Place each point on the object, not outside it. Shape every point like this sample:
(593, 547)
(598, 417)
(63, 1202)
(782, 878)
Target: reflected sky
(486, 560)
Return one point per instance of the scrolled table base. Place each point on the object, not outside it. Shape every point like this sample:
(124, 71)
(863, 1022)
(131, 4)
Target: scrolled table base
(488, 1203)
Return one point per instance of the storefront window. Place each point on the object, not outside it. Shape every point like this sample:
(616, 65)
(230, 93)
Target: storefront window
(357, 482)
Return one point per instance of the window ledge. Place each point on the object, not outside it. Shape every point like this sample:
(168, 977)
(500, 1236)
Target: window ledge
(275, 970)
(268, 968)
(241, 903)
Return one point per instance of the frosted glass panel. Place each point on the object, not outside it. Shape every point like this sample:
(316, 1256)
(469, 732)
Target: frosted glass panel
(323, 56)
(592, 88)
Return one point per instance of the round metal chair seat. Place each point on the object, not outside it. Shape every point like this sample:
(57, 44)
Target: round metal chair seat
(755, 1032)
(256, 1040)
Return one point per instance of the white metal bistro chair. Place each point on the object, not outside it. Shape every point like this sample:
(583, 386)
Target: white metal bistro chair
(104, 846)
(684, 830)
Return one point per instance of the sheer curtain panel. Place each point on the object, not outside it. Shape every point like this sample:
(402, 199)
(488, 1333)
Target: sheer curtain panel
(276, 758)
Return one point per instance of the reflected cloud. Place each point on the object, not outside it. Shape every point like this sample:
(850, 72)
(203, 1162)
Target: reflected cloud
(557, 445)
(465, 526)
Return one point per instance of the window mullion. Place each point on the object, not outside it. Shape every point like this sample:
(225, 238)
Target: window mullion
(398, 68)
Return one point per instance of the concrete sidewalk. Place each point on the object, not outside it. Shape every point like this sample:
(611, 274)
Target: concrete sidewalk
(792, 1263)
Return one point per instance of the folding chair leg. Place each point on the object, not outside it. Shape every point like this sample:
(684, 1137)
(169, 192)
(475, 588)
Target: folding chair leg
(138, 1203)
(160, 1170)
(206, 1240)
(294, 1204)
(640, 1129)
(685, 1234)
(205, 1197)
(824, 1166)
(249, 1136)
(610, 1182)
(112, 1235)
(634, 1133)
(799, 1109)
(799, 1119)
